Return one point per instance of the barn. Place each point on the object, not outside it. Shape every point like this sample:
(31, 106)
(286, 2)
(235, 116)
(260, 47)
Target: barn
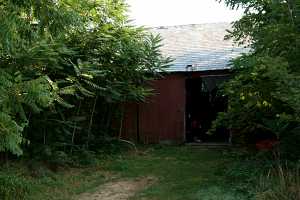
(186, 99)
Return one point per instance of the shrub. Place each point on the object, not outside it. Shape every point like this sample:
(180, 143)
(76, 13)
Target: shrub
(84, 158)
(289, 145)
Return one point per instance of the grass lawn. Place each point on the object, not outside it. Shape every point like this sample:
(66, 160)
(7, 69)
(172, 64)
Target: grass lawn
(187, 173)
(180, 173)
(48, 185)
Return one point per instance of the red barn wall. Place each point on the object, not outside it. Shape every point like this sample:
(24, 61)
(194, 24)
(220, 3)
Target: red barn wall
(162, 117)
(130, 122)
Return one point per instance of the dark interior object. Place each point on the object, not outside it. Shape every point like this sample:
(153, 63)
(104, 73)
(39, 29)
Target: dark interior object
(203, 102)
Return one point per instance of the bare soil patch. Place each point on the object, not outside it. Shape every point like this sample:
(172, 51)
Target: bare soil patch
(119, 190)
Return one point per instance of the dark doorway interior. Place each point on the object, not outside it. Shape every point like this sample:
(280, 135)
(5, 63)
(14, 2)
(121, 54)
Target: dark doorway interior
(203, 102)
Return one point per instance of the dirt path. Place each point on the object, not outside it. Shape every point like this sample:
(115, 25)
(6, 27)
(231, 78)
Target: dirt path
(119, 190)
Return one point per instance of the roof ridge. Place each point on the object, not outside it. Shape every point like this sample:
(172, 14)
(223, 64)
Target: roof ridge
(188, 25)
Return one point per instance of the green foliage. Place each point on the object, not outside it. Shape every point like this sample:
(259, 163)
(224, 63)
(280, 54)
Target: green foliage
(166, 173)
(36, 180)
(56, 57)
(16, 96)
(13, 188)
(240, 174)
(269, 179)
(264, 94)
(11, 134)
(289, 147)
(265, 90)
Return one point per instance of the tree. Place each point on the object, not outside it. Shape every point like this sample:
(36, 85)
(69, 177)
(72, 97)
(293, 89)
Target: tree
(58, 55)
(264, 94)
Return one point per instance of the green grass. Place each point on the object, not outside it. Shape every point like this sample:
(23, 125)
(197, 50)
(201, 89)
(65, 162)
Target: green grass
(53, 186)
(181, 173)
(66, 185)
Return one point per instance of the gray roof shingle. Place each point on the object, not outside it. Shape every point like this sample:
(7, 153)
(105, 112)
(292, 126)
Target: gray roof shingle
(200, 45)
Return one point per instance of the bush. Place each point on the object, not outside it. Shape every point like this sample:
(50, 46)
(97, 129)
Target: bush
(84, 158)
(13, 187)
(289, 145)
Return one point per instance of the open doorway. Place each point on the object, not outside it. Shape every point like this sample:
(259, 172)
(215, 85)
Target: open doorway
(203, 103)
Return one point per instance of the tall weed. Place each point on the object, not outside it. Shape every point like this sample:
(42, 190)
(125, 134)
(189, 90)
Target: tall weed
(13, 187)
(281, 183)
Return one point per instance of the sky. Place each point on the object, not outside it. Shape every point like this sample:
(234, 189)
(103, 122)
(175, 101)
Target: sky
(177, 12)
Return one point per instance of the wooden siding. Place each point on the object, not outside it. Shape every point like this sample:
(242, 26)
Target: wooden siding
(162, 117)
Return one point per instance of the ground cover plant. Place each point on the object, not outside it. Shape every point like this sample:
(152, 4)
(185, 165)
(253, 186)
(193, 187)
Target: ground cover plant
(19, 182)
(154, 172)
(174, 173)
(280, 183)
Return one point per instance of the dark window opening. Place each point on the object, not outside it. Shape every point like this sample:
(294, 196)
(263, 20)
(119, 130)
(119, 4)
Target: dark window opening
(203, 103)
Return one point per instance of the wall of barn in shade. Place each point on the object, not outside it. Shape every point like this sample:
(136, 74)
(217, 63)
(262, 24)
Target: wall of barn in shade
(161, 119)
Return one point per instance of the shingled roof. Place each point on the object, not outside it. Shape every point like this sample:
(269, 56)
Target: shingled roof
(201, 46)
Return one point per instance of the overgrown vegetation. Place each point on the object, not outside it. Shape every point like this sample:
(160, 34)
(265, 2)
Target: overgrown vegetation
(13, 187)
(264, 94)
(19, 182)
(177, 173)
(281, 183)
(66, 67)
